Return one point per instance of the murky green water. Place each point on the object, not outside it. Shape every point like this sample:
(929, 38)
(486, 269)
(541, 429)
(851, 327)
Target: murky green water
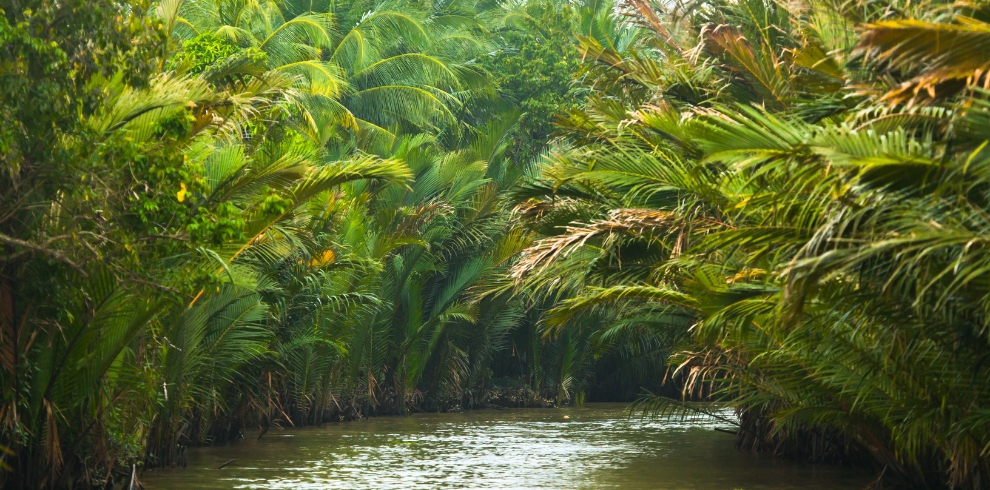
(598, 446)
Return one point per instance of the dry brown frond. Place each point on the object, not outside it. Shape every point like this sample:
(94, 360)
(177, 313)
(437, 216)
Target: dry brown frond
(649, 18)
(633, 223)
(53, 445)
(941, 59)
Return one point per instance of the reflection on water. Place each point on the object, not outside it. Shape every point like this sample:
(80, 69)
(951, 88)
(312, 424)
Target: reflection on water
(597, 446)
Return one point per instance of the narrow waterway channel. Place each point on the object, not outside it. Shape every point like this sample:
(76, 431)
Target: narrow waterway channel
(595, 446)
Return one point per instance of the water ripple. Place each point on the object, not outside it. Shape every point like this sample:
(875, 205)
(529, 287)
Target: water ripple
(597, 446)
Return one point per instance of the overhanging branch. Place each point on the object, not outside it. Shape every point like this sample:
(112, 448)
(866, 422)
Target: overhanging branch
(55, 254)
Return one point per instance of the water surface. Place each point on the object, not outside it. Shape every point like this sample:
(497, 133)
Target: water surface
(597, 446)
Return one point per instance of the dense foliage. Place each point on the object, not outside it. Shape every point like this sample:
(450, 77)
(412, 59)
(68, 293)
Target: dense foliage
(536, 64)
(217, 215)
(805, 185)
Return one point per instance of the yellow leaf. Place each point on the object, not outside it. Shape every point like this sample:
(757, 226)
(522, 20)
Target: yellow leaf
(325, 258)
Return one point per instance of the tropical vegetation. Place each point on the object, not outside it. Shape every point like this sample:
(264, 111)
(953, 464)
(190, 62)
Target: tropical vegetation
(222, 215)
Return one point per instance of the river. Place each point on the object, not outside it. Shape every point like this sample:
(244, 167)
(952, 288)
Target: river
(594, 446)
